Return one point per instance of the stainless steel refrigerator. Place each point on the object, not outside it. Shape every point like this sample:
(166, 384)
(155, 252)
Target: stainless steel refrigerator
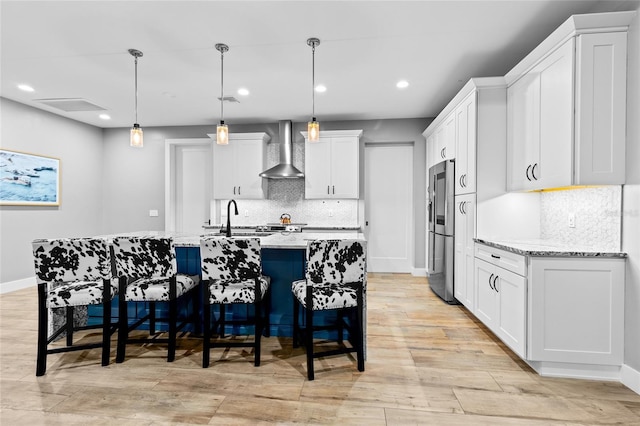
(440, 230)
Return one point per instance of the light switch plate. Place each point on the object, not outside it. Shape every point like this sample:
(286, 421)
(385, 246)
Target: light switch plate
(153, 213)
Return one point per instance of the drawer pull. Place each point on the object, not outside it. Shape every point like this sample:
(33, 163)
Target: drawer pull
(490, 284)
(495, 257)
(494, 284)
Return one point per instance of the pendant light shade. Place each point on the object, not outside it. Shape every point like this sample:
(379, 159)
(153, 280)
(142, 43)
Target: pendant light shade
(222, 131)
(136, 139)
(313, 127)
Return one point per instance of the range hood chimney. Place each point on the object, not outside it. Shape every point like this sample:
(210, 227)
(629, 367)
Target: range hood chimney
(284, 169)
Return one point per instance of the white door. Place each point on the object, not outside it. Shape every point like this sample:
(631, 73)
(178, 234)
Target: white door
(389, 207)
(189, 185)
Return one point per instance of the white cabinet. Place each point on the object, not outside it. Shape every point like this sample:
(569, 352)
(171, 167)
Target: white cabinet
(465, 226)
(466, 132)
(332, 165)
(501, 300)
(236, 166)
(445, 139)
(576, 310)
(567, 113)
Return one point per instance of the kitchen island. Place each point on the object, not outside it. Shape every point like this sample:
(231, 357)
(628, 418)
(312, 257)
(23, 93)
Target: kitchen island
(283, 259)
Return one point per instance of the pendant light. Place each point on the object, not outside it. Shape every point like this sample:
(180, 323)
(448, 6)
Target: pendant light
(222, 132)
(313, 127)
(136, 139)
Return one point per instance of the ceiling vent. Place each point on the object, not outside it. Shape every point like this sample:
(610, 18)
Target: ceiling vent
(228, 99)
(70, 104)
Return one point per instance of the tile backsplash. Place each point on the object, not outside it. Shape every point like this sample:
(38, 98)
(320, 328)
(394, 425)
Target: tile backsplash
(597, 212)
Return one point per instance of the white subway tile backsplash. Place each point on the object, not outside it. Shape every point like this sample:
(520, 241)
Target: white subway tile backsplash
(597, 211)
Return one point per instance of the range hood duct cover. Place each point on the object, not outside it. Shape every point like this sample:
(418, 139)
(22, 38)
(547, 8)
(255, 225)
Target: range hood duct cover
(285, 169)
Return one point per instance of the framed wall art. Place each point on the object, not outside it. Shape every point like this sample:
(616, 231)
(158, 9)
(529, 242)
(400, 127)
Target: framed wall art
(29, 179)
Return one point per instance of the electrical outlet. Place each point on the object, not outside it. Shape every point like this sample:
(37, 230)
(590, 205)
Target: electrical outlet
(246, 213)
(330, 213)
(572, 220)
(153, 213)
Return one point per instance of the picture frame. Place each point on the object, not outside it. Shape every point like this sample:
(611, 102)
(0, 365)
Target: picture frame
(29, 179)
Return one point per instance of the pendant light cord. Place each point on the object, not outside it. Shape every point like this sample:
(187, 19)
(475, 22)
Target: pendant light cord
(221, 85)
(313, 80)
(136, 86)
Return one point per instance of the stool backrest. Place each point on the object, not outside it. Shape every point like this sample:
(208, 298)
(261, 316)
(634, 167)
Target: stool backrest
(336, 261)
(230, 258)
(71, 259)
(144, 257)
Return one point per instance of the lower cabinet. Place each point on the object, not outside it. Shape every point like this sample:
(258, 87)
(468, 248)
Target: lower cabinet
(563, 315)
(502, 303)
(465, 227)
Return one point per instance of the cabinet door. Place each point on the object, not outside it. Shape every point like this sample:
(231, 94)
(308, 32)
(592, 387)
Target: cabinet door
(555, 162)
(486, 300)
(224, 185)
(466, 132)
(464, 250)
(511, 290)
(449, 141)
(440, 144)
(540, 122)
(576, 310)
(344, 167)
(248, 161)
(317, 169)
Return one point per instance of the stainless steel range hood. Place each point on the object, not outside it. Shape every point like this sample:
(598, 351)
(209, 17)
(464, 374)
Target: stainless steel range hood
(284, 169)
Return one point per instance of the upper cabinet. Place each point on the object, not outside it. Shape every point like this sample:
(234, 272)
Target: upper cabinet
(236, 166)
(473, 125)
(332, 165)
(566, 106)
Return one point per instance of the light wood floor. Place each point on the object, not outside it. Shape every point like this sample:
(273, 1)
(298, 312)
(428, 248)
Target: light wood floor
(428, 363)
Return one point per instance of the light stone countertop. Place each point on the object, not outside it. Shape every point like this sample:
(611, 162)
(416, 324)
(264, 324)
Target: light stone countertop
(549, 248)
(279, 240)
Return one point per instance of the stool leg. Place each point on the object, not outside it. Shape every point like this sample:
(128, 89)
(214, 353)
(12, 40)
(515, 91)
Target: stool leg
(43, 330)
(221, 320)
(206, 312)
(152, 317)
(106, 322)
(258, 332)
(173, 319)
(123, 322)
(69, 325)
(309, 342)
(359, 338)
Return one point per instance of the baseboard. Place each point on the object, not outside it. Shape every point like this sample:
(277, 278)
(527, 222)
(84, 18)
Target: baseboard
(630, 378)
(16, 285)
(419, 272)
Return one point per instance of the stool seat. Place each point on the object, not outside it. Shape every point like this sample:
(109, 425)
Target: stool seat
(157, 289)
(326, 295)
(80, 293)
(229, 291)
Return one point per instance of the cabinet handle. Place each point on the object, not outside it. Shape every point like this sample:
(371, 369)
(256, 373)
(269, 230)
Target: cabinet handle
(234, 190)
(490, 278)
(328, 189)
(527, 173)
(464, 207)
(465, 180)
(494, 284)
(334, 190)
(460, 182)
(442, 152)
(460, 208)
(533, 171)
(494, 256)
(238, 190)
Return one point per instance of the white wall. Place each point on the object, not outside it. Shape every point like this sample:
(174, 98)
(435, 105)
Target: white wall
(79, 148)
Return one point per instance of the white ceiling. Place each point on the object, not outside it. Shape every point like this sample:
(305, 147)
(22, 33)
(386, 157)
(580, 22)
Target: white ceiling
(78, 49)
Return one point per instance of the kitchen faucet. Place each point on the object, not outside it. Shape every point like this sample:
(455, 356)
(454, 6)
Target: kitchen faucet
(229, 215)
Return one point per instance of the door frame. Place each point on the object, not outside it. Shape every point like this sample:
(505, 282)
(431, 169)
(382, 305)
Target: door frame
(170, 146)
(412, 225)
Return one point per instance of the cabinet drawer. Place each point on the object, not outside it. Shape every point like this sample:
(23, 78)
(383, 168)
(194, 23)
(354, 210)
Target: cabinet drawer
(513, 262)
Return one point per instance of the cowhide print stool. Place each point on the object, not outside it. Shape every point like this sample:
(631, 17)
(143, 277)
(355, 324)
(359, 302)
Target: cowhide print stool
(72, 272)
(147, 271)
(232, 274)
(335, 280)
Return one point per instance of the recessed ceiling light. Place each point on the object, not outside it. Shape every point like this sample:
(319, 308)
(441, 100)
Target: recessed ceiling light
(26, 88)
(105, 116)
(402, 84)
(321, 88)
(243, 92)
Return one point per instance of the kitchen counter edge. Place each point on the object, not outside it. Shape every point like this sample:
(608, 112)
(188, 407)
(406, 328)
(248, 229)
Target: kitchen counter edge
(533, 249)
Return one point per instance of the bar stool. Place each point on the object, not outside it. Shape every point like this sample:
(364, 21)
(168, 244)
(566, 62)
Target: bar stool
(335, 280)
(147, 271)
(232, 274)
(72, 272)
